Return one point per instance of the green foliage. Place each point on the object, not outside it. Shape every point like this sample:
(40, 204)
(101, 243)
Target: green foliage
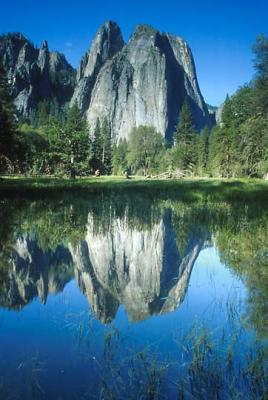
(253, 147)
(106, 156)
(239, 146)
(102, 147)
(239, 107)
(119, 158)
(97, 147)
(243, 249)
(213, 149)
(145, 144)
(69, 144)
(43, 113)
(7, 123)
(202, 152)
(260, 50)
(31, 147)
(185, 137)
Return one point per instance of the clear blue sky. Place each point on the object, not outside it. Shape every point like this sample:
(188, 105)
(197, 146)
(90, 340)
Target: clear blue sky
(220, 33)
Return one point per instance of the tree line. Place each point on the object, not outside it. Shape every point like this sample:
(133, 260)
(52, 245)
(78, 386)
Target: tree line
(57, 141)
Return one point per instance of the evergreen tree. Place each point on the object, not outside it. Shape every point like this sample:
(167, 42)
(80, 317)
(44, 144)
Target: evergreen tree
(31, 149)
(213, 151)
(70, 143)
(97, 150)
(145, 143)
(7, 120)
(260, 50)
(106, 157)
(222, 155)
(185, 140)
(224, 143)
(202, 152)
(253, 150)
(43, 113)
(54, 109)
(119, 157)
(226, 152)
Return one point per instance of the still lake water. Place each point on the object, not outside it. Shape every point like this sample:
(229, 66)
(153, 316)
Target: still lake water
(132, 296)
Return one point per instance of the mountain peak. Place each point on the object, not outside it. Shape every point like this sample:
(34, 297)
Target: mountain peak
(144, 30)
(110, 24)
(44, 45)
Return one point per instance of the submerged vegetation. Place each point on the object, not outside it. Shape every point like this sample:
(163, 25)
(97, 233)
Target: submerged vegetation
(205, 368)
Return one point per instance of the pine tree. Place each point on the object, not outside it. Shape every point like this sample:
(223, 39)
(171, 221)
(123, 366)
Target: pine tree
(227, 159)
(7, 119)
(54, 108)
(260, 50)
(43, 113)
(97, 151)
(70, 144)
(213, 151)
(119, 158)
(253, 147)
(222, 156)
(144, 145)
(185, 139)
(202, 152)
(106, 158)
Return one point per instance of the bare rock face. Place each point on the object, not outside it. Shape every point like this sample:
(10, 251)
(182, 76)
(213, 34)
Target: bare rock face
(106, 44)
(146, 83)
(143, 82)
(35, 74)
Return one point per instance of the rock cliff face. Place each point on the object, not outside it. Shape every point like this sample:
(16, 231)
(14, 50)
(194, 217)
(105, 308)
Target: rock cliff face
(143, 82)
(106, 44)
(35, 74)
(146, 83)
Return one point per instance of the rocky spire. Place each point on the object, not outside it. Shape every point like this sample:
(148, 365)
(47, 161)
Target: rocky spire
(43, 56)
(107, 43)
(31, 73)
(146, 83)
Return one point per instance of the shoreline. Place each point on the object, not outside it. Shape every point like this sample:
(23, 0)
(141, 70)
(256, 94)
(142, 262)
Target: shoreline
(186, 188)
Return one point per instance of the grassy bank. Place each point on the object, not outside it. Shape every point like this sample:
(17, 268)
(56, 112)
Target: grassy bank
(190, 188)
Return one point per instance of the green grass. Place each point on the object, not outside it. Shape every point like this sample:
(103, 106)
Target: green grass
(188, 188)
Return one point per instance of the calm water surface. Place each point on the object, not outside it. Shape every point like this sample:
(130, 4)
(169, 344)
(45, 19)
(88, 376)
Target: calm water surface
(128, 296)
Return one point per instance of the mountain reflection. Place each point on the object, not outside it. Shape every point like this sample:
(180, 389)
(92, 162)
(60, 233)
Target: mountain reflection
(139, 268)
(33, 273)
(133, 249)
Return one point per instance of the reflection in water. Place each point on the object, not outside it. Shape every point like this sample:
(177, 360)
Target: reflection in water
(145, 253)
(30, 272)
(136, 251)
(141, 269)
